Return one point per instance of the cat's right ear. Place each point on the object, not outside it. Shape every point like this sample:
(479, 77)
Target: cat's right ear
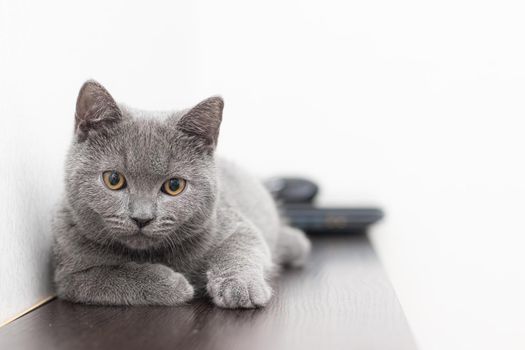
(96, 110)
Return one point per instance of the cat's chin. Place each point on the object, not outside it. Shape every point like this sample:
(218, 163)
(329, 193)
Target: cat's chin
(138, 242)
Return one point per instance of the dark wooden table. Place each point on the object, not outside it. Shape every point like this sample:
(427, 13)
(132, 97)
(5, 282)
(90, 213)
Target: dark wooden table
(342, 299)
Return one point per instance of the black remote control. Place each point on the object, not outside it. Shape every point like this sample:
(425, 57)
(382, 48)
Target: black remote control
(313, 219)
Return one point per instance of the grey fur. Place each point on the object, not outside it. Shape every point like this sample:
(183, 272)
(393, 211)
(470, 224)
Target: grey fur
(221, 236)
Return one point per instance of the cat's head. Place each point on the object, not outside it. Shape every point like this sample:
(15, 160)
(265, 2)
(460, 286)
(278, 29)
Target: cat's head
(142, 179)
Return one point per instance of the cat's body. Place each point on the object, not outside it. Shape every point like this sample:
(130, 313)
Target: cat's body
(138, 245)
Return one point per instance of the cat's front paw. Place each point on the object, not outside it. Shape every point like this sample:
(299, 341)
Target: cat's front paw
(239, 291)
(167, 288)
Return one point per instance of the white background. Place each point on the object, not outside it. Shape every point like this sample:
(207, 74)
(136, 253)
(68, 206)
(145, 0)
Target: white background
(414, 106)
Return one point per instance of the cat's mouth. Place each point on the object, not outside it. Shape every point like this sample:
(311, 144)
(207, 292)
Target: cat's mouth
(138, 240)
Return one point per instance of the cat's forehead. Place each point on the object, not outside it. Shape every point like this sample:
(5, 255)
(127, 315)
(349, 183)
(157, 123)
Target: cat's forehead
(147, 146)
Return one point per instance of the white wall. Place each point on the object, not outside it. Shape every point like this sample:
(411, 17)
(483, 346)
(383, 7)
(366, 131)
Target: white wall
(416, 106)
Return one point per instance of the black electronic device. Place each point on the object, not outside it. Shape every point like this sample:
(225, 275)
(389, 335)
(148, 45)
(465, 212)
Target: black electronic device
(292, 190)
(323, 220)
(296, 197)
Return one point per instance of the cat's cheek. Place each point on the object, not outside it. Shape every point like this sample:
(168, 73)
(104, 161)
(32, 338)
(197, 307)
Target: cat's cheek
(178, 209)
(111, 201)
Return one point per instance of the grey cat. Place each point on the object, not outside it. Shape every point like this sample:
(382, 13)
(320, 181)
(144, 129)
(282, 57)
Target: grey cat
(150, 216)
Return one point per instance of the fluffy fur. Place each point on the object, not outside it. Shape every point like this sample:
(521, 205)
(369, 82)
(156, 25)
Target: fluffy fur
(221, 236)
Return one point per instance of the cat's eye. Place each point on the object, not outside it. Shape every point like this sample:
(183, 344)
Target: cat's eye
(114, 180)
(173, 186)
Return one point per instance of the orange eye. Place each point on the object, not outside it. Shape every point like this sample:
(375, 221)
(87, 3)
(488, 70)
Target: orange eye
(173, 186)
(114, 180)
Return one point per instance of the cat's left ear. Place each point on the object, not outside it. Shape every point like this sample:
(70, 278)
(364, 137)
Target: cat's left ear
(203, 121)
(96, 110)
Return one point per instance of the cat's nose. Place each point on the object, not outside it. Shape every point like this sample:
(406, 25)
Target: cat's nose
(141, 222)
